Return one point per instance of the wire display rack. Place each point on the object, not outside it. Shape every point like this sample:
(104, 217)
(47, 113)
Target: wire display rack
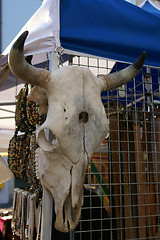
(122, 186)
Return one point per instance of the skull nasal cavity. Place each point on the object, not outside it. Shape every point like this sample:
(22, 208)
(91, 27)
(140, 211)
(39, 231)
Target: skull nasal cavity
(83, 117)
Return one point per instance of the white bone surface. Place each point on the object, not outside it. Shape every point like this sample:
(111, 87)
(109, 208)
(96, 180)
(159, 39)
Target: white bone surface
(62, 166)
(71, 91)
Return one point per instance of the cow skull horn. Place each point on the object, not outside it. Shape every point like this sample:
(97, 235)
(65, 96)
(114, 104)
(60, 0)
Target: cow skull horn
(36, 76)
(119, 78)
(21, 69)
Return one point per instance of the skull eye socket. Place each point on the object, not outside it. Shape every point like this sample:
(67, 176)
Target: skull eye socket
(83, 117)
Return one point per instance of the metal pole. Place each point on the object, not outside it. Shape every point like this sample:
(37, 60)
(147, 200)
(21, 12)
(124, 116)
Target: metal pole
(47, 202)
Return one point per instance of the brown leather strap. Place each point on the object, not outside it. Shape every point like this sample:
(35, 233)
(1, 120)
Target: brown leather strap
(129, 234)
(147, 156)
(116, 178)
(157, 163)
(141, 182)
(133, 180)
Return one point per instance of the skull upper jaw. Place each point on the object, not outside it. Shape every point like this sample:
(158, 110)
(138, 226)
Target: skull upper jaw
(65, 182)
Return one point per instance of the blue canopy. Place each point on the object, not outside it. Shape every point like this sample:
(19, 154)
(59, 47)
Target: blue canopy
(151, 7)
(113, 29)
(140, 88)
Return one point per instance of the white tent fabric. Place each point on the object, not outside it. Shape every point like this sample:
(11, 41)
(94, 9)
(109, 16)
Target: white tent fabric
(7, 107)
(154, 4)
(43, 27)
(5, 136)
(44, 33)
(7, 116)
(43, 38)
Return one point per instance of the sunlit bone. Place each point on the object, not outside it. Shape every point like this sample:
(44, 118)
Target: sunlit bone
(77, 118)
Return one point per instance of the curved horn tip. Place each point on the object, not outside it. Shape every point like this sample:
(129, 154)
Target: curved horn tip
(19, 43)
(140, 61)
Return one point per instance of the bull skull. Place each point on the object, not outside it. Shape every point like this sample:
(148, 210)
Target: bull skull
(76, 116)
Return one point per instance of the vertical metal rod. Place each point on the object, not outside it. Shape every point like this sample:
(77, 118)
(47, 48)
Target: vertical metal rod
(47, 204)
(47, 207)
